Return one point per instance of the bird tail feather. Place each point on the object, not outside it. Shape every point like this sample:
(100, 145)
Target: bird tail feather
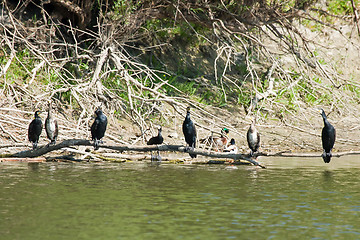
(326, 157)
(96, 144)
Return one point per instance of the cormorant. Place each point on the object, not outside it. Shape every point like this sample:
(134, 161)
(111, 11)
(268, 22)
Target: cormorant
(157, 139)
(232, 147)
(253, 138)
(51, 127)
(98, 128)
(189, 131)
(328, 136)
(34, 130)
(154, 141)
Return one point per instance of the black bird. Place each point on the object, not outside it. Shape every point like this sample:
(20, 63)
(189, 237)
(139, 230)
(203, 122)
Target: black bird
(157, 139)
(51, 127)
(34, 130)
(189, 131)
(154, 141)
(328, 136)
(98, 128)
(253, 138)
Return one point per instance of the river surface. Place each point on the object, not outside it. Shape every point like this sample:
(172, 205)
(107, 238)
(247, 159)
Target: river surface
(291, 199)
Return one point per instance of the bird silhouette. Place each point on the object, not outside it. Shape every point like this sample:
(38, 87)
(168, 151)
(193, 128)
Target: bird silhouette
(189, 131)
(98, 128)
(155, 141)
(328, 136)
(35, 129)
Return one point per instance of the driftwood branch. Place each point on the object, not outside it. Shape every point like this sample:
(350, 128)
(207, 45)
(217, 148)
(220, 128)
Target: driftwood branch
(171, 148)
(35, 154)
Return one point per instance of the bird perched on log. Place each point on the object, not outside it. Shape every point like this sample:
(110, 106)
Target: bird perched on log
(155, 141)
(253, 138)
(219, 142)
(189, 131)
(51, 127)
(232, 147)
(98, 128)
(328, 136)
(35, 129)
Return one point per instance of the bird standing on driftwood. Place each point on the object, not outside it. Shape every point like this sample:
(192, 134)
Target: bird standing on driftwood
(232, 147)
(189, 131)
(98, 128)
(34, 130)
(51, 127)
(253, 138)
(220, 142)
(155, 141)
(328, 136)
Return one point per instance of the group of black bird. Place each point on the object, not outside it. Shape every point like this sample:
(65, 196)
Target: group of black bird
(36, 126)
(99, 125)
(98, 128)
(189, 131)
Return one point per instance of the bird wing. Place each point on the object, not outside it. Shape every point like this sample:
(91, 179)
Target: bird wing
(56, 129)
(94, 127)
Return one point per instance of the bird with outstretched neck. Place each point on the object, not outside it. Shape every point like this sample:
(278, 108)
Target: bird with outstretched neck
(328, 136)
(51, 127)
(253, 138)
(35, 129)
(98, 128)
(155, 141)
(189, 131)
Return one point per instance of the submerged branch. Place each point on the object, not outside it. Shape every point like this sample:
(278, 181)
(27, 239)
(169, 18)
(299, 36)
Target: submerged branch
(307, 155)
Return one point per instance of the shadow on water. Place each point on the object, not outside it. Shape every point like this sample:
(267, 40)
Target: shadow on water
(328, 175)
(35, 166)
(292, 198)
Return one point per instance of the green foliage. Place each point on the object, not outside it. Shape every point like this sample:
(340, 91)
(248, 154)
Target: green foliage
(244, 98)
(167, 30)
(340, 7)
(20, 67)
(355, 90)
(302, 90)
(313, 25)
(116, 84)
(123, 8)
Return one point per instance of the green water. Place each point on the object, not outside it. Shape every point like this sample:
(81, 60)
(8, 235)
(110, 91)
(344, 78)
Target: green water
(291, 199)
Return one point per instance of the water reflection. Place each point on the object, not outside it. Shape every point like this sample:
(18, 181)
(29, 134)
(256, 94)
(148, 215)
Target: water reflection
(328, 175)
(34, 166)
(297, 198)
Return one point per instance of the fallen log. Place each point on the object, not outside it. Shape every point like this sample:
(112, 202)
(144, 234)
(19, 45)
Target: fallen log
(170, 148)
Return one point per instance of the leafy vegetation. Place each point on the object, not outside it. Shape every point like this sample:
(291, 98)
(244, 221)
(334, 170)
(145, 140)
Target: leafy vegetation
(221, 54)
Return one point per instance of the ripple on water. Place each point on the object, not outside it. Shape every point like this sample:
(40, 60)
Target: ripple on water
(286, 200)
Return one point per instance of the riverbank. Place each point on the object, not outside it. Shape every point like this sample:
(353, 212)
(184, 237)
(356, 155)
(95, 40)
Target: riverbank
(279, 70)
